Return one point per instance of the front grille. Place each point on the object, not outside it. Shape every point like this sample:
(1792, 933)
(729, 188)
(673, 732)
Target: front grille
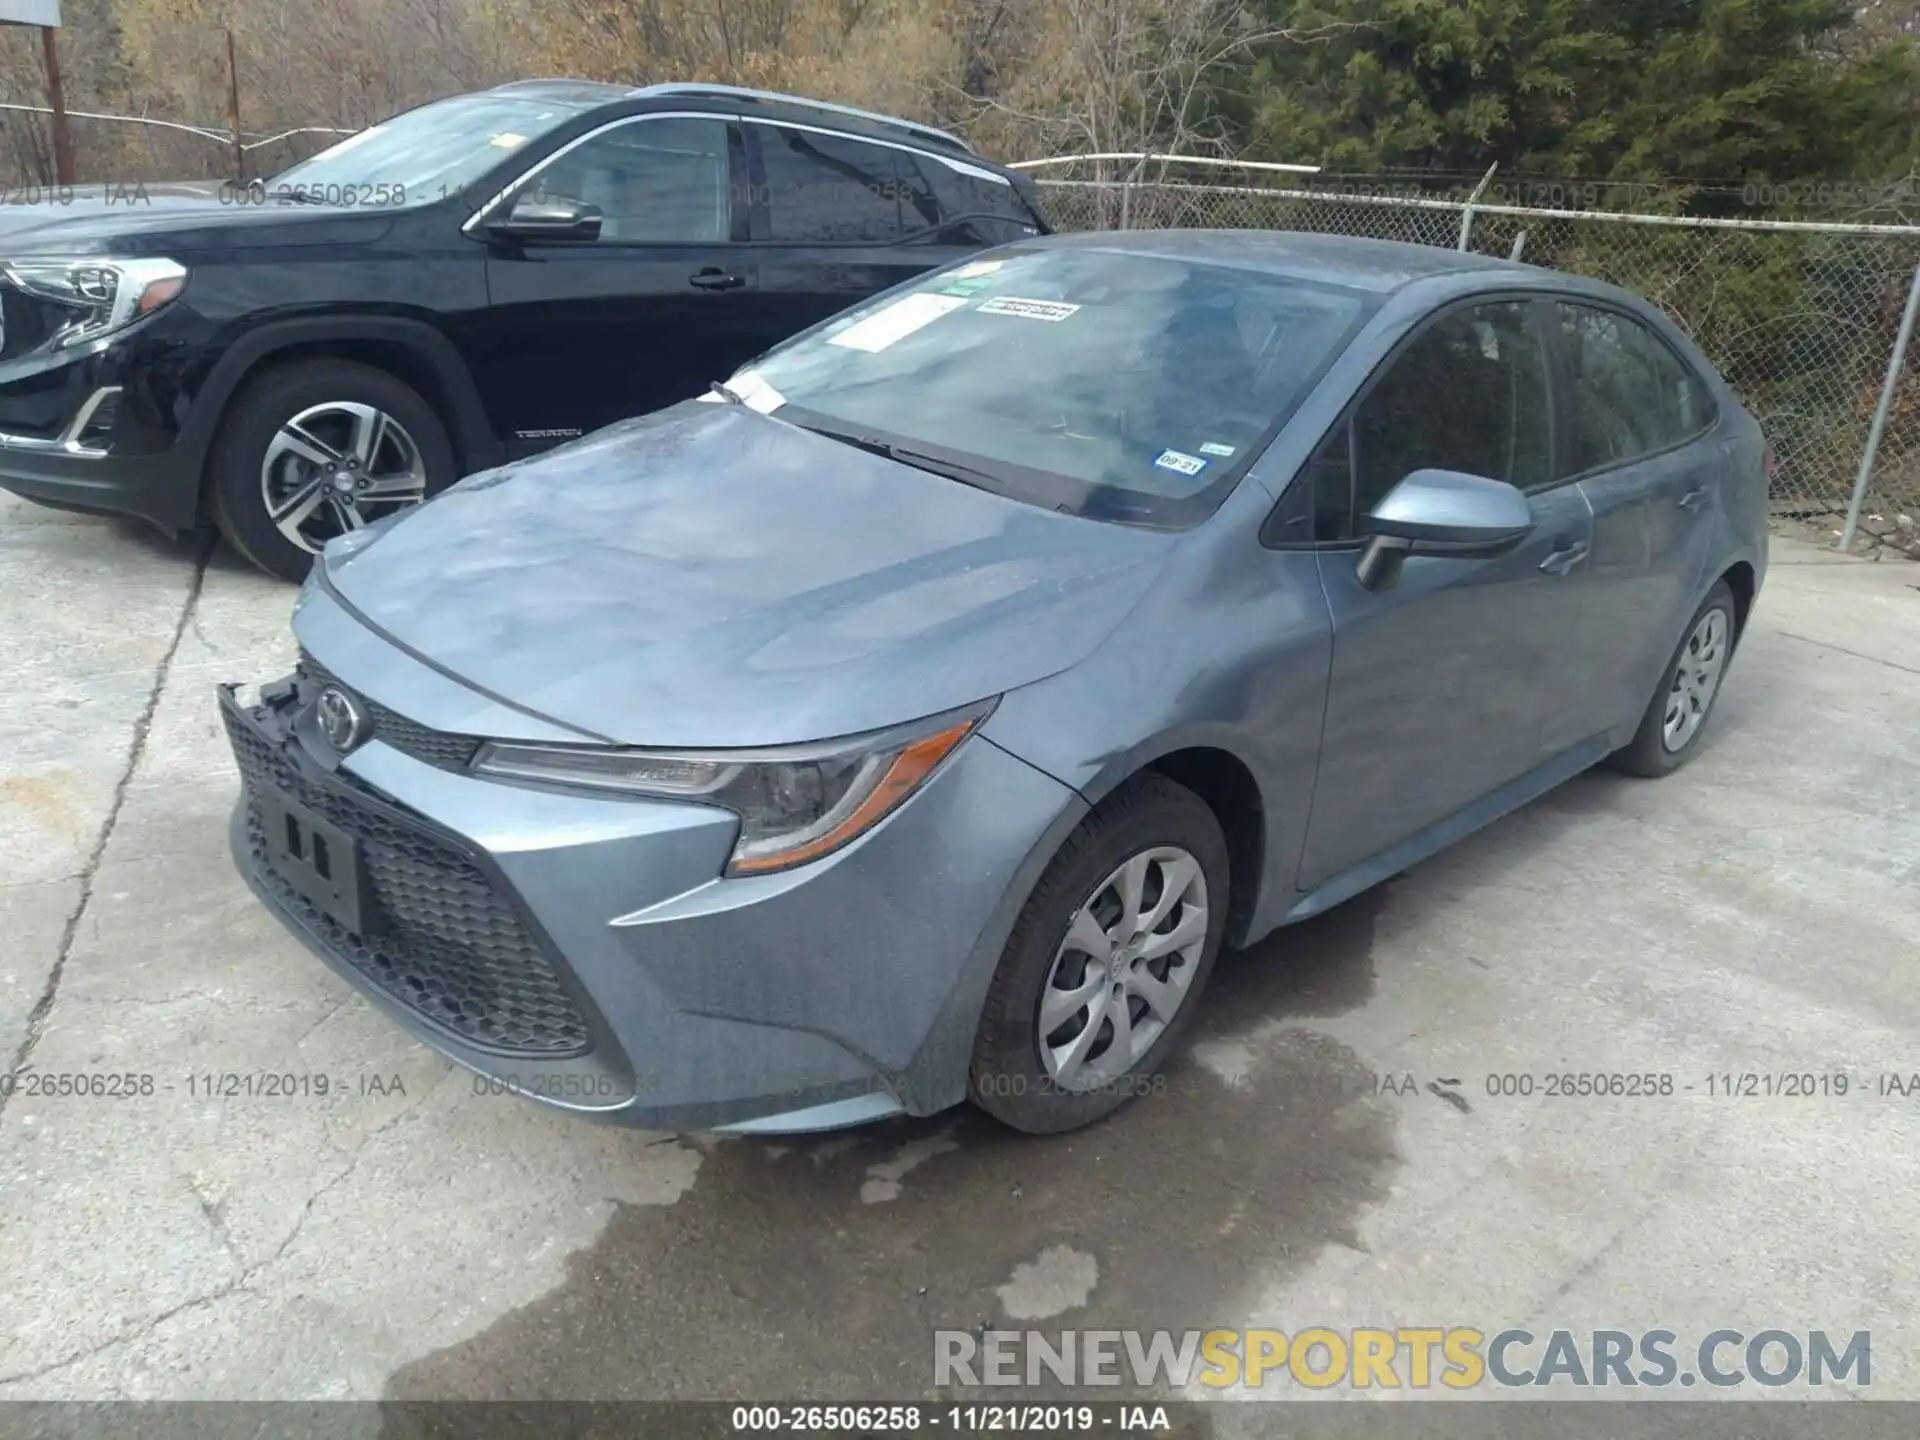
(441, 748)
(451, 948)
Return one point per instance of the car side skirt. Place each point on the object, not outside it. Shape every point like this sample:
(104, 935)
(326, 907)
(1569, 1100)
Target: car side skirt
(1457, 826)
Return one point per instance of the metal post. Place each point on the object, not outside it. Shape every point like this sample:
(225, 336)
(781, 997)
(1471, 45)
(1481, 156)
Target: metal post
(56, 97)
(233, 113)
(1466, 215)
(1885, 409)
(1519, 244)
(1126, 191)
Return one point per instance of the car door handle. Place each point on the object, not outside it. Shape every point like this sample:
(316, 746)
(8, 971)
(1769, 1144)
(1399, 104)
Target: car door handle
(1693, 499)
(714, 278)
(1564, 559)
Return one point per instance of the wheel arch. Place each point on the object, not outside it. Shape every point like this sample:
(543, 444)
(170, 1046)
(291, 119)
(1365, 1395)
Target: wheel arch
(411, 350)
(1744, 583)
(1225, 780)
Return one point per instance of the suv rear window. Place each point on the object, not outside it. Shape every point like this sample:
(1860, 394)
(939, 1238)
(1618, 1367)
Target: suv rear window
(950, 206)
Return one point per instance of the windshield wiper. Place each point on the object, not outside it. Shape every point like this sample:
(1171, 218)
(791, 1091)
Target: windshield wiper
(730, 395)
(952, 469)
(900, 454)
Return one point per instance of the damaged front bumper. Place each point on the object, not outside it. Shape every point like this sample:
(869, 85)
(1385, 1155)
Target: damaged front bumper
(584, 951)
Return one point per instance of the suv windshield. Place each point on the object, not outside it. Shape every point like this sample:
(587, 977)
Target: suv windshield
(424, 154)
(1124, 387)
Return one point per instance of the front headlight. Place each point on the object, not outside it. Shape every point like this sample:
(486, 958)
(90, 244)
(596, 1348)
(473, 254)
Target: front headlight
(796, 803)
(103, 295)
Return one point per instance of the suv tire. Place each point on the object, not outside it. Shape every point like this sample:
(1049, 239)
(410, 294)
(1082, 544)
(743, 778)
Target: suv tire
(404, 456)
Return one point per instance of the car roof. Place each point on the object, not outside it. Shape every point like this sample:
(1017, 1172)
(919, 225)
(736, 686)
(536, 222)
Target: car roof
(1362, 264)
(577, 94)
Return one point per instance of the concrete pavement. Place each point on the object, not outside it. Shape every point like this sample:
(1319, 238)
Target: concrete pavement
(402, 1236)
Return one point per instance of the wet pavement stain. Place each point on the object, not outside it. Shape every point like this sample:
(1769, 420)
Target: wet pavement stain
(786, 1271)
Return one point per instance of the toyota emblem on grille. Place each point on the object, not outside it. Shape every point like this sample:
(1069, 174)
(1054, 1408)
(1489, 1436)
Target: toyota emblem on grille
(341, 719)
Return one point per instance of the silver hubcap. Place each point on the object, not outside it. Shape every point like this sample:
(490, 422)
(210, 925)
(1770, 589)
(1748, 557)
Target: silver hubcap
(1124, 969)
(334, 467)
(1695, 679)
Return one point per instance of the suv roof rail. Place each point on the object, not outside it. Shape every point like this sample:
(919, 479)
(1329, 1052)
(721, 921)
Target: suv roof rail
(944, 138)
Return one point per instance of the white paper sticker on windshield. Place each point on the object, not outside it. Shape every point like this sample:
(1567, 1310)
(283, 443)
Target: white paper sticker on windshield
(755, 393)
(1214, 447)
(977, 268)
(1031, 309)
(1180, 463)
(507, 140)
(892, 323)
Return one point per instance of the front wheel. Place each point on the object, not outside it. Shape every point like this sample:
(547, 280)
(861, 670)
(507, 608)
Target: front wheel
(1104, 969)
(1676, 717)
(314, 449)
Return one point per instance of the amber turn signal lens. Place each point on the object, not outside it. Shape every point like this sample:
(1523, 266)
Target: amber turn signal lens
(158, 294)
(902, 778)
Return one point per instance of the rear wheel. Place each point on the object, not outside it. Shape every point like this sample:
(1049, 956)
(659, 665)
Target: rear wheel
(314, 449)
(1104, 969)
(1676, 717)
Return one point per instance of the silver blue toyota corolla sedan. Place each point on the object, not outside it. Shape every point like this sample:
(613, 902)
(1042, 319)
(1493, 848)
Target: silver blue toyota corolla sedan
(915, 717)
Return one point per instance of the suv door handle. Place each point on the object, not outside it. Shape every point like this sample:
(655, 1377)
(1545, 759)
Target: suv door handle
(1693, 499)
(1563, 560)
(712, 277)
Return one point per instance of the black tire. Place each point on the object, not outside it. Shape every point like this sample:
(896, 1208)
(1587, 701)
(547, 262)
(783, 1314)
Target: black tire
(256, 414)
(1647, 754)
(1009, 1079)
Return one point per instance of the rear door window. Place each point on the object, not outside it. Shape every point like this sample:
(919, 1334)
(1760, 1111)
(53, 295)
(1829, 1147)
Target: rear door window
(1631, 395)
(825, 189)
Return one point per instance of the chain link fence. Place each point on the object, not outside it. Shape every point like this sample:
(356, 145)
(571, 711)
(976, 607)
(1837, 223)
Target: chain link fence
(1800, 317)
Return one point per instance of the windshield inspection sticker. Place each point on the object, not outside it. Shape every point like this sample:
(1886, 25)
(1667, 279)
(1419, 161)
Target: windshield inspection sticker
(1032, 309)
(507, 140)
(975, 270)
(1180, 463)
(895, 322)
(1214, 447)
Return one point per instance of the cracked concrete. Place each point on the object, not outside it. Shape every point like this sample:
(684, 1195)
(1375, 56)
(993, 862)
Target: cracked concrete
(400, 1235)
(24, 787)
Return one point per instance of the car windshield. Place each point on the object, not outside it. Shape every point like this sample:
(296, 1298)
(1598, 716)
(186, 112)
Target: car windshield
(1123, 387)
(421, 155)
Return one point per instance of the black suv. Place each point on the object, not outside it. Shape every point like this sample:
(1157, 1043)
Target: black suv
(468, 282)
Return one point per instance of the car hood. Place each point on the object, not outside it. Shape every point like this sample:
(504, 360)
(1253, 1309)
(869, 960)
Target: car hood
(711, 576)
(102, 219)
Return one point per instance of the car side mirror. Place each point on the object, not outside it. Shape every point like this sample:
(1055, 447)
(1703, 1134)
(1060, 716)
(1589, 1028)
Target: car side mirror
(1440, 512)
(548, 217)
